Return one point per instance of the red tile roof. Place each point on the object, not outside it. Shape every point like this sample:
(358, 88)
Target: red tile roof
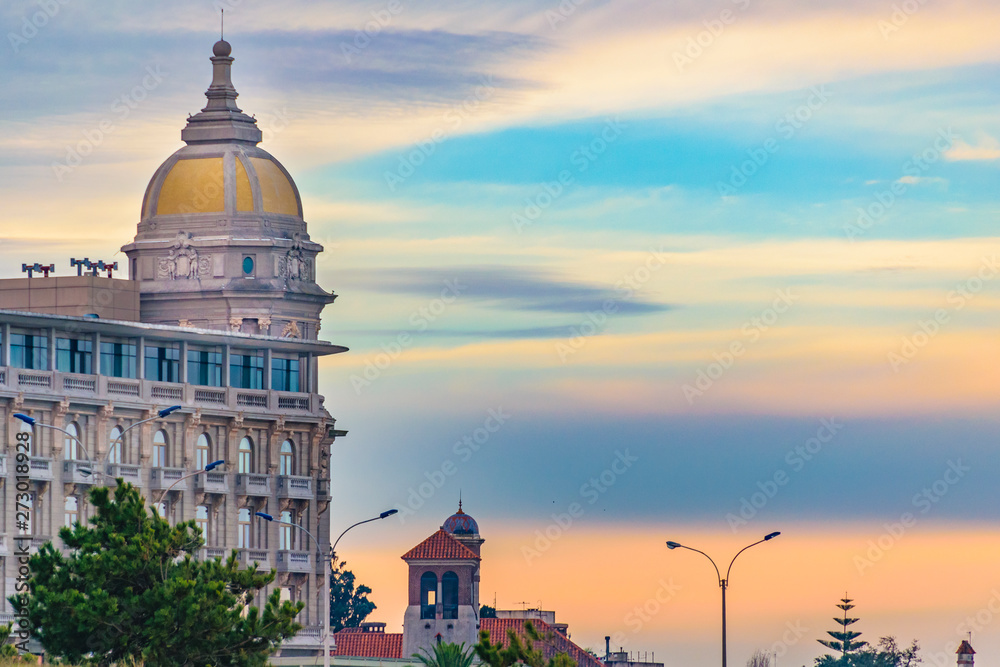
(354, 642)
(498, 627)
(440, 545)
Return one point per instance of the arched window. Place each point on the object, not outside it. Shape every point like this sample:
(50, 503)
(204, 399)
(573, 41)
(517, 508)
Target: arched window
(243, 529)
(71, 511)
(70, 446)
(26, 428)
(286, 534)
(286, 461)
(115, 445)
(246, 456)
(160, 449)
(201, 451)
(449, 595)
(428, 594)
(201, 520)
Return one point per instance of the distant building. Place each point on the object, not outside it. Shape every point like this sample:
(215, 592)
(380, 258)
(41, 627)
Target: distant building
(443, 606)
(220, 315)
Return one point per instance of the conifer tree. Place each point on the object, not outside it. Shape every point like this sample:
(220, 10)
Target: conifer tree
(844, 639)
(131, 588)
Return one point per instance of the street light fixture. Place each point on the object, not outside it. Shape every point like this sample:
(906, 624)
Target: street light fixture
(326, 575)
(723, 583)
(31, 421)
(121, 438)
(209, 468)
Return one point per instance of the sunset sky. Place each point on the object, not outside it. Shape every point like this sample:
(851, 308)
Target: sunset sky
(739, 246)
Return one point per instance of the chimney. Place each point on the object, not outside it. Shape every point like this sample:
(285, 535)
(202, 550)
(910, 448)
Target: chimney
(607, 649)
(965, 654)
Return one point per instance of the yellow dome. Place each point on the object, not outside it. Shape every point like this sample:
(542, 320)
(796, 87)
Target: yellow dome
(233, 179)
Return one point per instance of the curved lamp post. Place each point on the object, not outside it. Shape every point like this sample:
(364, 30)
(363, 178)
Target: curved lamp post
(326, 574)
(209, 468)
(723, 583)
(121, 438)
(31, 421)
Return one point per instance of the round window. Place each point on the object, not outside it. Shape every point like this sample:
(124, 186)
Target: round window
(248, 265)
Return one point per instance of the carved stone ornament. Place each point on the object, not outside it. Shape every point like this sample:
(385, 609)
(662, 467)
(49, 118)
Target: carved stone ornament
(183, 261)
(185, 323)
(291, 330)
(235, 324)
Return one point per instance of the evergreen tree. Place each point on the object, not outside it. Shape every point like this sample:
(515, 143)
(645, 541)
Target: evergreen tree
(130, 589)
(348, 607)
(517, 651)
(844, 639)
(487, 611)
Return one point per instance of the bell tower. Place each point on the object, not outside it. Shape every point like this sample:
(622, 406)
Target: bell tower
(443, 587)
(221, 241)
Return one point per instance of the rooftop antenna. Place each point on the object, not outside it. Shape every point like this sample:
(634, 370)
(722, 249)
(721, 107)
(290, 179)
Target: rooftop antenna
(222, 23)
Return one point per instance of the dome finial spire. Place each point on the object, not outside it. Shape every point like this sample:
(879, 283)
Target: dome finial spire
(460, 500)
(222, 24)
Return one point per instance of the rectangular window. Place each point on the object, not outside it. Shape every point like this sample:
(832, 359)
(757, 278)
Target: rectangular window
(246, 370)
(204, 367)
(284, 374)
(29, 351)
(118, 359)
(159, 456)
(243, 535)
(74, 355)
(163, 362)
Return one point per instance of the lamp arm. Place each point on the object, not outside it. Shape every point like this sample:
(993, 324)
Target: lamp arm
(78, 441)
(719, 576)
(738, 554)
(165, 491)
(333, 549)
(121, 438)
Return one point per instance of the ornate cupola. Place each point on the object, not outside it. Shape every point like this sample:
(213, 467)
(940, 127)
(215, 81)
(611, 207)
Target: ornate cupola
(444, 587)
(221, 241)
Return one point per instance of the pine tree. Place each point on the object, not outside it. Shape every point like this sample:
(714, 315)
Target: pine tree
(130, 588)
(844, 639)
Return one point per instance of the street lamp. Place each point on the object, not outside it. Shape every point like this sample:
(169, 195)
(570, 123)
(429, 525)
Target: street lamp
(723, 583)
(121, 438)
(326, 575)
(31, 421)
(209, 468)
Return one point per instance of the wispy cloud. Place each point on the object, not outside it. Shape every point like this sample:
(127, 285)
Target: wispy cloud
(504, 287)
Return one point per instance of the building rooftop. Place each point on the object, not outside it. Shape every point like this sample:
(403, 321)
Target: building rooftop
(440, 545)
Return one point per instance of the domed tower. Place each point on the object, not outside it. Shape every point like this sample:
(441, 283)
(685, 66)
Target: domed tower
(444, 586)
(221, 242)
(464, 529)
